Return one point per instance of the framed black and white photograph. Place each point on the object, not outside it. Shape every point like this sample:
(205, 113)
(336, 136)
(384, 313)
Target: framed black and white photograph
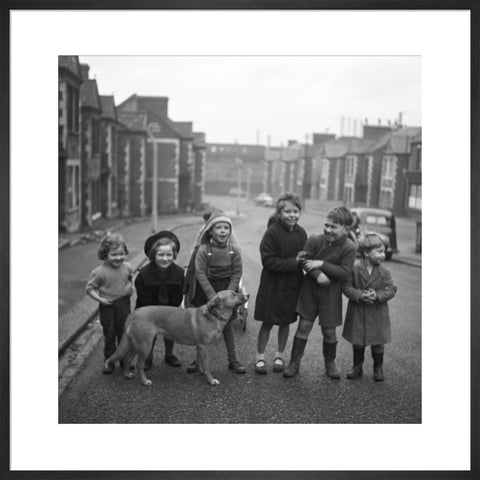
(309, 148)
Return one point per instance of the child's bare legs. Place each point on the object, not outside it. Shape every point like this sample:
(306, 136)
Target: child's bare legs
(330, 351)
(299, 342)
(263, 337)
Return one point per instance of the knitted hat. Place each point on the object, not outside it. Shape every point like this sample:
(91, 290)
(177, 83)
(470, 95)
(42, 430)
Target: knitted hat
(150, 241)
(216, 216)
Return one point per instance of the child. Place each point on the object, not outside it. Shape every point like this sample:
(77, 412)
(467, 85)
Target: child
(368, 288)
(329, 260)
(218, 266)
(110, 284)
(161, 283)
(280, 279)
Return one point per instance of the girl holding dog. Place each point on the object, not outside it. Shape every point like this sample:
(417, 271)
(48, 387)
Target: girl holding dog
(218, 266)
(160, 282)
(110, 284)
(281, 277)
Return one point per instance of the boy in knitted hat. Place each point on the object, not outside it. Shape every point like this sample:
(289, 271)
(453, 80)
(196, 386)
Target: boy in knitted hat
(218, 266)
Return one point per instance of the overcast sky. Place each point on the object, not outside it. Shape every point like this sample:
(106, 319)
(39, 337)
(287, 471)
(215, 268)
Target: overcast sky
(244, 98)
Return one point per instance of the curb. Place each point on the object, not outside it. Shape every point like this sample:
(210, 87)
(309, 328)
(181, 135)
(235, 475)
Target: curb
(87, 308)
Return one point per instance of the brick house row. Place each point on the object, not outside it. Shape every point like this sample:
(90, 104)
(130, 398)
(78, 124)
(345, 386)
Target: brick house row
(381, 169)
(106, 154)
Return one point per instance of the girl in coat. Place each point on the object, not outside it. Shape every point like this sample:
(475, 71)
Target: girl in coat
(368, 288)
(281, 277)
(329, 259)
(161, 283)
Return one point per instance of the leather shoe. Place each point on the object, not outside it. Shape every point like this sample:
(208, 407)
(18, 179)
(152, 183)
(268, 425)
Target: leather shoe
(236, 367)
(192, 368)
(260, 367)
(109, 369)
(173, 361)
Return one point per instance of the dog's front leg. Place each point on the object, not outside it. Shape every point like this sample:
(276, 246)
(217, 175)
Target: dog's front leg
(202, 354)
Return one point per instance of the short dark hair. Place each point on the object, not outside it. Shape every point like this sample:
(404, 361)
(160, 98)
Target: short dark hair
(160, 243)
(111, 242)
(369, 241)
(341, 215)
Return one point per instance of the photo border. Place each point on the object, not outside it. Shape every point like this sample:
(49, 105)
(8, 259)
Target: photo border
(5, 471)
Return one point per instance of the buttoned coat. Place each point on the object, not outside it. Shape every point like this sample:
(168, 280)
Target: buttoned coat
(368, 324)
(281, 275)
(326, 301)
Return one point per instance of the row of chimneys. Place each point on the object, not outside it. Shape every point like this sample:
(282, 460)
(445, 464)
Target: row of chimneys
(351, 128)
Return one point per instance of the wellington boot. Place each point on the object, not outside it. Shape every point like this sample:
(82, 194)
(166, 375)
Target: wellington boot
(297, 353)
(358, 358)
(330, 353)
(378, 367)
(355, 372)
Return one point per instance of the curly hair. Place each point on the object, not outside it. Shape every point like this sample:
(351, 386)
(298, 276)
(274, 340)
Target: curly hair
(160, 243)
(111, 242)
(341, 215)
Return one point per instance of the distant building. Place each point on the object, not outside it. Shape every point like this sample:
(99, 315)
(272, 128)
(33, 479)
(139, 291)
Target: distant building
(223, 168)
(69, 174)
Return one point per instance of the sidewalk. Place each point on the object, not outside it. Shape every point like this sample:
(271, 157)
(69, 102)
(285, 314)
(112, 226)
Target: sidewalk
(77, 256)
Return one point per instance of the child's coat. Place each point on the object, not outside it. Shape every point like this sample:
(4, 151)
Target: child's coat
(368, 324)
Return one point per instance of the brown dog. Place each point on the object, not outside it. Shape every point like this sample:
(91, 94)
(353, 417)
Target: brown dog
(187, 326)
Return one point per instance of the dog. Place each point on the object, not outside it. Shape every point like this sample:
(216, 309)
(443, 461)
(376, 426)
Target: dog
(198, 326)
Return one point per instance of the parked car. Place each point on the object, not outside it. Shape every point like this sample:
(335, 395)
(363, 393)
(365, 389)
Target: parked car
(264, 199)
(376, 220)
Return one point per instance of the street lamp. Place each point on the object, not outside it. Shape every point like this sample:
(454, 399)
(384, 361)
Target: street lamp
(152, 129)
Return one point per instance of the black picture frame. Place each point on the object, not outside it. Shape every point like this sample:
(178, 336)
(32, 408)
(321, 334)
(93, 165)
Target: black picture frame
(5, 266)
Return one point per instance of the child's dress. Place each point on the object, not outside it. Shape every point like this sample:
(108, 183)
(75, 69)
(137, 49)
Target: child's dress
(368, 324)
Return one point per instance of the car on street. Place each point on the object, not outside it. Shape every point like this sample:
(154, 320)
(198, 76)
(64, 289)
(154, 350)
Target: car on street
(264, 199)
(376, 220)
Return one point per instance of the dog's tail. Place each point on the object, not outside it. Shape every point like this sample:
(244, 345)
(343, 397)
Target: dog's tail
(121, 350)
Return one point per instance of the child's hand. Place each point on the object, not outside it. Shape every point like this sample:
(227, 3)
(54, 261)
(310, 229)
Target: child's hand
(105, 301)
(323, 280)
(312, 264)
(365, 297)
(372, 295)
(300, 256)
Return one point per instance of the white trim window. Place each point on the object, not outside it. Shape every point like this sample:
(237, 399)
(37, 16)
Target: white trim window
(73, 186)
(415, 197)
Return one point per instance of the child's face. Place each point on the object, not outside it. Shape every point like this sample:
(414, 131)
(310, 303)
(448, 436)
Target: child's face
(333, 230)
(164, 256)
(116, 256)
(376, 255)
(290, 214)
(220, 232)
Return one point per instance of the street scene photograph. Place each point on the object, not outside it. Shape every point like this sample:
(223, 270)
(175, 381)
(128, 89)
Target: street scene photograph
(239, 239)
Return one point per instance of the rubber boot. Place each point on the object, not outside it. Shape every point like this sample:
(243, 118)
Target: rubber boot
(358, 358)
(329, 354)
(298, 348)
(377, 366)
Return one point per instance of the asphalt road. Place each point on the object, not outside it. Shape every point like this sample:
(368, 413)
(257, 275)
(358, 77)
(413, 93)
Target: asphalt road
(310, 397)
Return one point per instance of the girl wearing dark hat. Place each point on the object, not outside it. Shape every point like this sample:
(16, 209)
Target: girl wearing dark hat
(161, 283)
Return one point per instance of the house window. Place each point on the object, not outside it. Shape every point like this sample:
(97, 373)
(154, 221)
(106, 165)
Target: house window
(95, 136)
(213, 149)
(350, 167)
(73, 186)
(386, 199)
(72, 109)
(348, 194)
(415, 197)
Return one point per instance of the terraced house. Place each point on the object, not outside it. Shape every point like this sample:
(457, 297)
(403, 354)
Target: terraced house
(108, 154)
